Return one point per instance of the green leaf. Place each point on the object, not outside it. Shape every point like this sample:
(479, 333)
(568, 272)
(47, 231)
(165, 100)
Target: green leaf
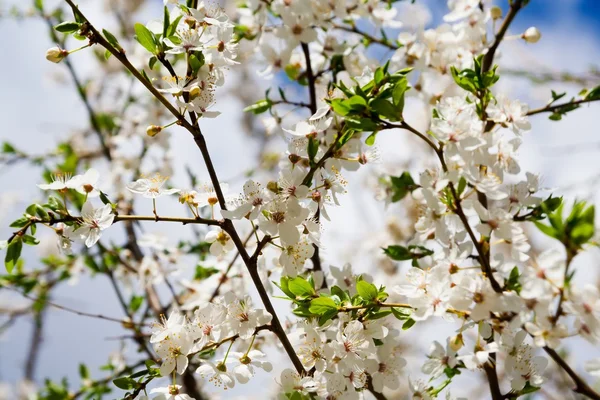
(366, 290)
(313, 148)
(356, 103)
(557, 96)
(125, 383)
(451, 372)
(19, 223)
(347, 134)
(513, 280)
(548, 230)
(400, 314)
(323, 305)
(284, 286)
(379, 314)
(301, 288)
(362, 124)
(196, 62)
(173, 26)
(8, 148)
(104, 199)
(146, 38)
(398, 93)
(135, 303)
(370, 141)
(379, 76)
(555, 117)
(84, 373)
(292, 71)
(386, 109)
(398, 253)
(166, 22)
(529, 388)
(408, 324)
(341, 294)
(30, 240)
(39, 5)
(112, 39)
(259, 107)
(13, 252)
(203, 273)
(67, 27)
(593, 94)
(401, 186)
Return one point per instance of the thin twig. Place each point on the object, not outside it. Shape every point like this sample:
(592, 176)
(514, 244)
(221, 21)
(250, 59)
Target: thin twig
(488, 59)
(77, 312)
(370, 38)
(554, 107)
(83, 96)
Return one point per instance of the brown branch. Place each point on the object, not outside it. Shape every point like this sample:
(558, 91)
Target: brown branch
(118, 218)
(406, 126)
(488, 58)
(552, 108)
(35, 344)
(370, 388)
(487, 269)
(223, 277)
(492, 376)
(316, 257)
(559, 308)
(580, 386)
(311, 78)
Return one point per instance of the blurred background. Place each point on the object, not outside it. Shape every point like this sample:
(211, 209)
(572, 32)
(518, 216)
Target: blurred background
(40, 107)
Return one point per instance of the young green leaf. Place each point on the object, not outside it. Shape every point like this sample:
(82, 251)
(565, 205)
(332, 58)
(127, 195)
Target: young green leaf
(67, 27)
(146, 38)
(322, 305)
(13, 252)
(366, 290)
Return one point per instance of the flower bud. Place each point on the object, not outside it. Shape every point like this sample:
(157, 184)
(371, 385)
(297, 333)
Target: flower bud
(56, 54)
(153, 130)
(496, 12)
(456, 342)
(532, 35)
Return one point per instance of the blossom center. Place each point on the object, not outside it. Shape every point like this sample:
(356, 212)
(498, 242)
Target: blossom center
(278, 217)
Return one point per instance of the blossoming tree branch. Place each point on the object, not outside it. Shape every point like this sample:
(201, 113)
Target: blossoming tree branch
(337, 88)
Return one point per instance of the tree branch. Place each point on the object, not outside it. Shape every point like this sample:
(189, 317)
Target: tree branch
(488, 58)
(580, 386)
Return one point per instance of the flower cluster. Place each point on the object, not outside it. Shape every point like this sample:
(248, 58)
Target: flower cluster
(214, 324)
